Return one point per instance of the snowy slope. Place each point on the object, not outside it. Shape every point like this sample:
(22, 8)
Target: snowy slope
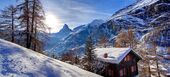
(17, 61)
(138, 5)
(144, 16)
(134, 14)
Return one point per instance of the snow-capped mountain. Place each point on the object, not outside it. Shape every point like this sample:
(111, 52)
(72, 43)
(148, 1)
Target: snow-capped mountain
(77, 38)
(17, 61)
(64, 32)
(134, 7)
(143, 17)
(55, 38)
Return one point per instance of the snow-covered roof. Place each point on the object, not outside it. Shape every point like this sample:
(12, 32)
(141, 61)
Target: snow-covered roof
(115, 55)
(17, 61)
(167, 56)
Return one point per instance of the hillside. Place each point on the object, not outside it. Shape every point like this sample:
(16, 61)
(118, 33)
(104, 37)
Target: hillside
(17, 61)
(145, 17)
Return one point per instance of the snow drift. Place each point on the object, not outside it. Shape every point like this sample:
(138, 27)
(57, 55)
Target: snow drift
(17, 61)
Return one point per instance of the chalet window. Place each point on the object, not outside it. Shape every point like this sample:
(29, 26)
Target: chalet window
(134, 60)
(124, 71)
(110, 72)
(121, 72)
(133, 68)
(127, 58)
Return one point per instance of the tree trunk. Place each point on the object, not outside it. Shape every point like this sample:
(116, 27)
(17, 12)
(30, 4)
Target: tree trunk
(28, 43)
(35, 36)
(149, 69)
(32, 25)
(12, 14)
(157, 65)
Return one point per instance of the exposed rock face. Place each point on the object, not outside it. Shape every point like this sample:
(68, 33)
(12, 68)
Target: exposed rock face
(65, 30)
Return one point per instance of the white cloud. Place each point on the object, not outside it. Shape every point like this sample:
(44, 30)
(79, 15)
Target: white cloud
(72, 12)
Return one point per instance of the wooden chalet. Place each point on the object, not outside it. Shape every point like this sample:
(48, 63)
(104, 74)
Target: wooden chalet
(121, 62)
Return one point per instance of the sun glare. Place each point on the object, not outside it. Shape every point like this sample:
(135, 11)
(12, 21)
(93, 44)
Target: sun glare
(53, 22)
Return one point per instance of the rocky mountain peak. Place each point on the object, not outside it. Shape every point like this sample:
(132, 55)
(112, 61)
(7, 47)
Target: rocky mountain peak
(65, 28)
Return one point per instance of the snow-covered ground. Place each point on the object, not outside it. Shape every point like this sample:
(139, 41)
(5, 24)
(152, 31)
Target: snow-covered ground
(17, 61)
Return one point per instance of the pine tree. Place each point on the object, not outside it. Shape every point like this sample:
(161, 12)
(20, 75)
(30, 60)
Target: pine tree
(89, 57)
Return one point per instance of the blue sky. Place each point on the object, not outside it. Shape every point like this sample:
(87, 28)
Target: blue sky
(77, 12)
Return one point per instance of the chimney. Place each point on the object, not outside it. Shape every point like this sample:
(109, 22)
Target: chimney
(105, 55)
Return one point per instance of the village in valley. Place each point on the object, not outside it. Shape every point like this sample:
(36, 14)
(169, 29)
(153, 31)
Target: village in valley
(91, 38)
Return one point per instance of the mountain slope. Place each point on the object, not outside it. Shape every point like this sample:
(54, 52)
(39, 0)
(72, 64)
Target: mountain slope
(145, 16)
(138, 5)
(17, 61)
